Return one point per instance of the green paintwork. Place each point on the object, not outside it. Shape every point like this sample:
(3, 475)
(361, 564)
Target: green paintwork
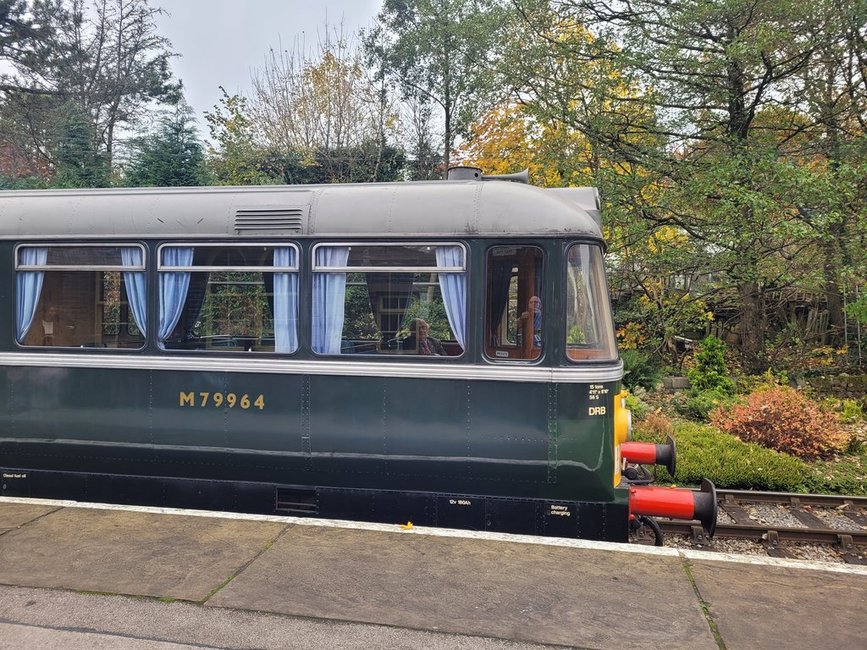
(483, 437)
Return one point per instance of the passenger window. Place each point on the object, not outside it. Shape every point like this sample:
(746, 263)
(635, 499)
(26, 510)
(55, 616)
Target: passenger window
(589, 327)
(514, 310)
(228, 298)
(393, 299)
(81, 296)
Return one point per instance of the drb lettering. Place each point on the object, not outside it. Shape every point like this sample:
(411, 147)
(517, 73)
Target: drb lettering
(597, 410)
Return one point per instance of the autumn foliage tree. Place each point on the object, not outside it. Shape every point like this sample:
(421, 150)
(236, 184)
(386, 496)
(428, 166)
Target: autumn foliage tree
(721, 89)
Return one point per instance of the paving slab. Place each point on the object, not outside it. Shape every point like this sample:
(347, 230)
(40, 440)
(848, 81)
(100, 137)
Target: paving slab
(13, 515)
(24, 636)
(781, 607)
(526, 592)
(132, 553)
(42, 618)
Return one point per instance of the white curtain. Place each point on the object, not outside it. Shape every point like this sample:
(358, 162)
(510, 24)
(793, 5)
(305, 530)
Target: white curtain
(136, 286)
(29, 288)
(329, 291)
(454, 289)
(173, 289)
(285, 302)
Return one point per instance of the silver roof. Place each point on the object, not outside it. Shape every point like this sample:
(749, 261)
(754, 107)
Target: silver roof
(425, 209)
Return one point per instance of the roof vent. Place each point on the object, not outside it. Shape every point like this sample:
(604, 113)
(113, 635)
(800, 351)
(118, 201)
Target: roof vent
(465, 174)
(257, 221)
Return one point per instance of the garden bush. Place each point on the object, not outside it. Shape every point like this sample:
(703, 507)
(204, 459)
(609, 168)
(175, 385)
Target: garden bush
(851, 411)
(634, 403)
(746, 384)
(784, 420)
(710, 371)
(699, 404)
(639, 370)
(706, 452)
(654, 425)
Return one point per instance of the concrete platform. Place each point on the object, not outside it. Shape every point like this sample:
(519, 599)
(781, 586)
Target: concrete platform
(282, 578)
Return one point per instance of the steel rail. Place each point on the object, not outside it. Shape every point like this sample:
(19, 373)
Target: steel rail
(771, 533)
(750, 496)
(814, 530)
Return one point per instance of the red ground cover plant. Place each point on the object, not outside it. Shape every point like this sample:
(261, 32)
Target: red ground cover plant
(656, 425)
(783, 419)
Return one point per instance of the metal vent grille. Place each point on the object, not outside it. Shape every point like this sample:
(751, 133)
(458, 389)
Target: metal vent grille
(298, 501)
(269, 220)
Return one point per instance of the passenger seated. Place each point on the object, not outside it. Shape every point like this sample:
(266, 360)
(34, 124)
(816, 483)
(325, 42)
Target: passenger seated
(418, 341)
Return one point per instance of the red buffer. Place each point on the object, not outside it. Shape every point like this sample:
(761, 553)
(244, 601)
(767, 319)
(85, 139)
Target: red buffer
(647, 453)
(676, 503)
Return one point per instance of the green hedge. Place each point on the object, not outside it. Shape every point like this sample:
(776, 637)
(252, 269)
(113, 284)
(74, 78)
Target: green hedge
(846, 474)
(706, 452)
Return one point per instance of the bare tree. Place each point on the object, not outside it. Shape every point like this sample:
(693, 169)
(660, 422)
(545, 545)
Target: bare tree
(319, 102)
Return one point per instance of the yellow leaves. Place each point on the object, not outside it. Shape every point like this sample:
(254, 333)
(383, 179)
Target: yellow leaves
(407, 526)
(632, 336)
(666, 236)
(508, 139)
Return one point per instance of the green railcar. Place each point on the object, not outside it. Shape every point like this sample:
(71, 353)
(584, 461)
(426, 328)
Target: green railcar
(436, 352)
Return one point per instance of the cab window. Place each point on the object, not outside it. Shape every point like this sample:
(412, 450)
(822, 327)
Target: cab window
(589, 328)
(514, 313)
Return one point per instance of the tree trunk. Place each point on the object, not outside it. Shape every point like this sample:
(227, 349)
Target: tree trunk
(752, 326)
(833, 295)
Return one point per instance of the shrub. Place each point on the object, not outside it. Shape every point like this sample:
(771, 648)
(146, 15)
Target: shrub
(845, 475)
(655, 425)
(782, 419)
(710, 372)
(769, 379)
(706, 452)
(639, 370)
(637, 405)
(851, 411)
(848, 410)
(698, 405)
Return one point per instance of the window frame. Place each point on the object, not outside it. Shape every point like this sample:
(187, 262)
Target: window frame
(370, 358)
(314, 268)
(592, 359)
(546, 263)
(79, 267)
(198, 244)
(18, 267)
(161, 268)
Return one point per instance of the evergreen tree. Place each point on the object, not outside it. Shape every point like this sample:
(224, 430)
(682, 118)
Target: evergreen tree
(173, 156)
(76, 160)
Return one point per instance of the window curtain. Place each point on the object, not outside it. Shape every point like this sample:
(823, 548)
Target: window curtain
(173, 289)
(454, 289)
(329, 292)
(501, 276)
(29, 288)
(136, 286)
(285, 302)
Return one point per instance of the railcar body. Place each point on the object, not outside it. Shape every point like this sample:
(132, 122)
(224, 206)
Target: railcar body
(258, 349)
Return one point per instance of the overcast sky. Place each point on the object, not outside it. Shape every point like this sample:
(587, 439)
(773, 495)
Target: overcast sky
(220, 42)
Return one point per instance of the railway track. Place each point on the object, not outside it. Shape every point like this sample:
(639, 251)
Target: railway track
(777, 520)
